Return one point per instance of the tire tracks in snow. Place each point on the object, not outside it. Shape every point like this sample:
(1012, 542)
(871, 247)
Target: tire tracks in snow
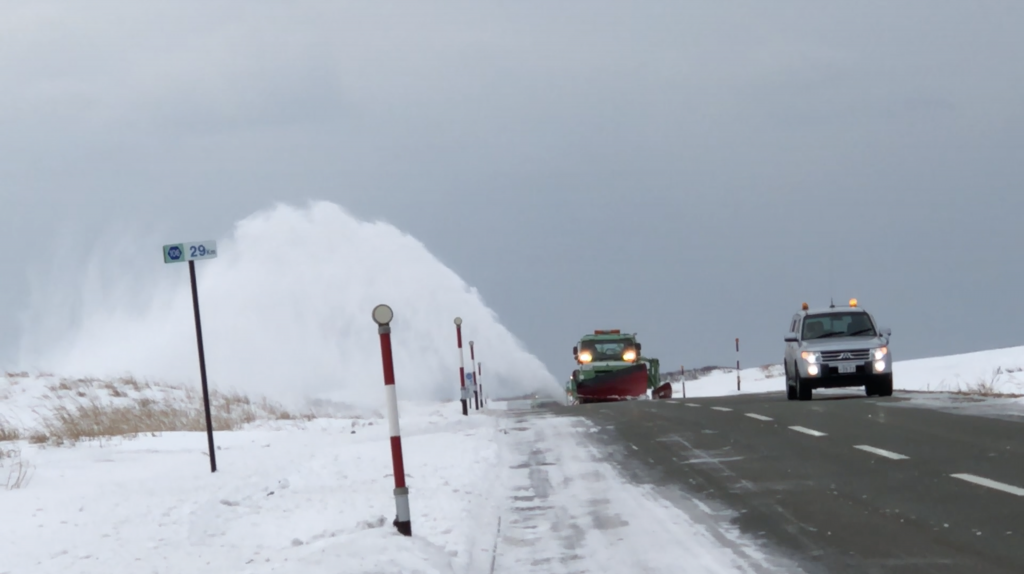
(567, 510)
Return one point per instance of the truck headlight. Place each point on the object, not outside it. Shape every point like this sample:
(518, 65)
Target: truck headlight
(586, 357)
(629, 356)
(811, 357)
(880, 353)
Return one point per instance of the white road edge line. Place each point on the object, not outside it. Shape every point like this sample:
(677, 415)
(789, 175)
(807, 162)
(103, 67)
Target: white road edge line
(721, 409)
(990, 483)
(811, 432)
(691, 404)
(759, 417)
(880, 452)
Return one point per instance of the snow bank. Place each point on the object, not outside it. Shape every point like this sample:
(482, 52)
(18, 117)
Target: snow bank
(313, 496)
(994, 372)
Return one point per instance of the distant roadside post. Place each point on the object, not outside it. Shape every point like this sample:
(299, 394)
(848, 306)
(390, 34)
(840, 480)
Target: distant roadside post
(737, 363)
(479, 374)
(476, 389)
(192, 252)
(462, 367)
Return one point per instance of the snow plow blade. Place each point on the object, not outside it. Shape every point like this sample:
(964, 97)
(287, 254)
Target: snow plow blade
(621, 385)
(663, 392)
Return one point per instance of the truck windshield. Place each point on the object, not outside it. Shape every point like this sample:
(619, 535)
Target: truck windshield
(838, 324)
(609, 350)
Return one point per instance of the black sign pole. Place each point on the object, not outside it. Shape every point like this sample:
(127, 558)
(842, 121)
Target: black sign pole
(202, 367)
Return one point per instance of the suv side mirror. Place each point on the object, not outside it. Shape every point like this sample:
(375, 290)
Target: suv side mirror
(887, 332)
(791, 338)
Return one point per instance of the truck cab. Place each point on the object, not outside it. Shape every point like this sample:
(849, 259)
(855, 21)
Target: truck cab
(609, 368)
(836, 347)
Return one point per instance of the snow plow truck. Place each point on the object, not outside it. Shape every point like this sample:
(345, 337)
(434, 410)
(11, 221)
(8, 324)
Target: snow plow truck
(611, 368)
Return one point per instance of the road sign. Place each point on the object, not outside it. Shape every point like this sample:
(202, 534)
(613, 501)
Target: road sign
(182, 252)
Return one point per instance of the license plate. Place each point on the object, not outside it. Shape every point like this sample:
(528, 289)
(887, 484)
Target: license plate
(847, 368)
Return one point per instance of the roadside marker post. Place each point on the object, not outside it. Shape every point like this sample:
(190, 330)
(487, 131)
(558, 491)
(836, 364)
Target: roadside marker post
(682, 377)
(382, 315)
(476, 389)
(737, 363)
(479, 374)
(462, 367)
(192, 252)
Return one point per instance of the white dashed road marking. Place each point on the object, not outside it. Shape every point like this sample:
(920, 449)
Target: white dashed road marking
(990, 483)
(721, 409)
(808, 431)
(880, 452)
(759, 417)
(692, 405)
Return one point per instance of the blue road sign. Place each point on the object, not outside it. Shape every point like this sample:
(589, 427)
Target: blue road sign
(181, 252)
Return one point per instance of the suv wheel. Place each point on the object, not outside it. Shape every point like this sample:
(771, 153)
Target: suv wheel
(871, 388)
(803, 389)
(884, 386)
(790, 388)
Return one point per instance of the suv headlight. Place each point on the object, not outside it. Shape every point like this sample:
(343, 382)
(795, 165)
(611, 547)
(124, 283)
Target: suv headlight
(812, 357)
(880, 353)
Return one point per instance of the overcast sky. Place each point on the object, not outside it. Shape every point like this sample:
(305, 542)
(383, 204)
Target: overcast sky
(690, 171)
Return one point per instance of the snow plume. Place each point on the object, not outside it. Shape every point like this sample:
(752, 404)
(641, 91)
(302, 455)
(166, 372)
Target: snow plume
(286, 313)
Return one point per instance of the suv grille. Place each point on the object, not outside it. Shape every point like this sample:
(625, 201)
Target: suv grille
(832, 356)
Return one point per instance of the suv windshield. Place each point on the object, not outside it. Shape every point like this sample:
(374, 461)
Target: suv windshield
(608, 350)
(848, 324)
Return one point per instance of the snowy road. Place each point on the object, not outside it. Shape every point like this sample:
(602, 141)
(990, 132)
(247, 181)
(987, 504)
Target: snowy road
(566, 510)
(843, 483)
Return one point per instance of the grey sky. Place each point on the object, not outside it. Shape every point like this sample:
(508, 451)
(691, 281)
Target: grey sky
(689, 171)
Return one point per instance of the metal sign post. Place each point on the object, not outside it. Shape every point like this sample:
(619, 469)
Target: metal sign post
(191, 252)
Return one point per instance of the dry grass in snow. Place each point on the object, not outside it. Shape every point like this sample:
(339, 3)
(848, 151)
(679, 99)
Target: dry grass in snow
(67, 411)
(8, 432)
(995, 385)
(14, 470)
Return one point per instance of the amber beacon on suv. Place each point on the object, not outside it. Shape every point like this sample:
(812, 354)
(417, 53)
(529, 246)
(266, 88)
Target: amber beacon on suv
(837, 347)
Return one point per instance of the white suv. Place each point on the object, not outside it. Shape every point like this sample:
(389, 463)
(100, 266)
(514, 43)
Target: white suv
(837, 347)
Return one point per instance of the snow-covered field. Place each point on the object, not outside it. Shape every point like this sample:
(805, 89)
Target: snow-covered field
(311, 490)
(498, 491)
(990, 373)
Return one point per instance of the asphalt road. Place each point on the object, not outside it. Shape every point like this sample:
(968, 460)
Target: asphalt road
(844, 484)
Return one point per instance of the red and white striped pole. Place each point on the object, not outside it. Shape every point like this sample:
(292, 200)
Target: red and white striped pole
(382, 315)
(476, 390)
(462, 366)
(479, 373)
(737, 363)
